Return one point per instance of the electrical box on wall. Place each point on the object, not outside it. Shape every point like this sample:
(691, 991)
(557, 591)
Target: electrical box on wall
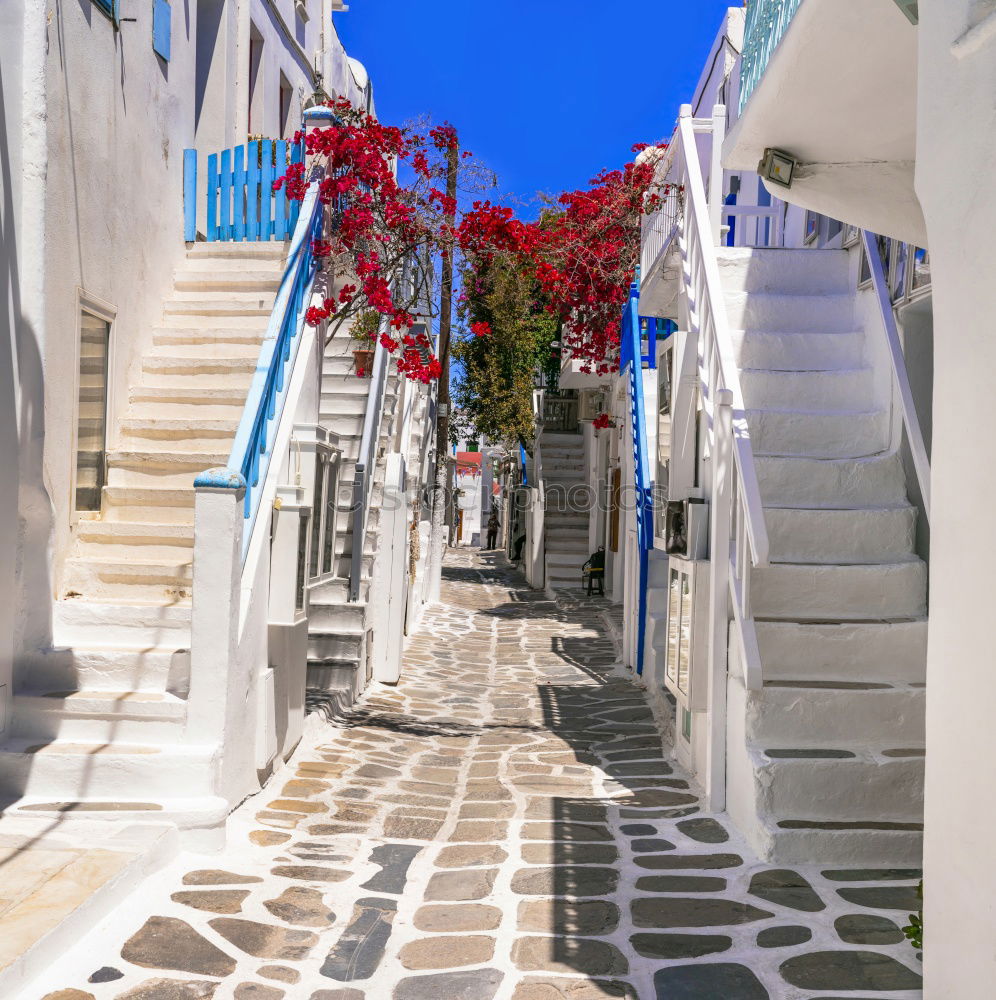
(687, 647)
(591, 403)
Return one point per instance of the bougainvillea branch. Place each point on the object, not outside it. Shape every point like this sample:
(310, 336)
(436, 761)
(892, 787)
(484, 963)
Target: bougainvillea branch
(380, 234)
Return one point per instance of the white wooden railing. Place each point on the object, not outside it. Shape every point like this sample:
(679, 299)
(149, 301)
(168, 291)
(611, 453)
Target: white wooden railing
(739, 535)
(904, 415)
(658, 228)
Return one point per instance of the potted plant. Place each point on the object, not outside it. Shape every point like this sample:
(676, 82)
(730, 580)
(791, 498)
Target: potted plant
(364, 334)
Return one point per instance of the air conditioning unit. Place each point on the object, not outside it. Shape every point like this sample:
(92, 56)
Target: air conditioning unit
(591, 403)
(686, 652)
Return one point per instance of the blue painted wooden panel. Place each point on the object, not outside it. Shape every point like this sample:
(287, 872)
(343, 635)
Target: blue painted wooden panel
(162, 28)
(266, 182)
(212, 196)
(190, 195)
(225, 216)
(238, 195)
(252, 192)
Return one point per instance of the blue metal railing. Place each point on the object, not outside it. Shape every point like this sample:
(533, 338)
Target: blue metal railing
(632, 357)
(240, 202)
(767, 21)
(252, 448)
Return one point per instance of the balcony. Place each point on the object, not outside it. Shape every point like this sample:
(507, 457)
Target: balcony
(833, 83)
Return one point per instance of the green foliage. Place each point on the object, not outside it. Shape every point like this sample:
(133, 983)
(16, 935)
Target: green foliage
(914, 929)
(494, 389)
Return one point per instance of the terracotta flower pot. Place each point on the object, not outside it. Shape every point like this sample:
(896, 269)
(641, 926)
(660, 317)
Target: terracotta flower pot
(364, 362)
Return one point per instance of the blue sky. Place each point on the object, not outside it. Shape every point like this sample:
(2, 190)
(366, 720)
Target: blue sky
(547, 92)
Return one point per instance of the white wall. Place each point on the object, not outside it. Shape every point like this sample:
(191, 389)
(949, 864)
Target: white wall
(957, 125)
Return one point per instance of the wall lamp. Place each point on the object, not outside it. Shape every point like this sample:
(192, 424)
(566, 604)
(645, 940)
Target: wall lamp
(777, 166)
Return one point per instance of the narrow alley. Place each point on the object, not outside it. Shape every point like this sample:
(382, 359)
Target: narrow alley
(502, 825)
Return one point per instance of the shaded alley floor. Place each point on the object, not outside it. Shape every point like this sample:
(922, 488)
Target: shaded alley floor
(502, 825)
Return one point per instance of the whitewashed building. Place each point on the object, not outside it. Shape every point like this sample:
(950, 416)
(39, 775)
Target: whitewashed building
(157, 639)
(901, 141)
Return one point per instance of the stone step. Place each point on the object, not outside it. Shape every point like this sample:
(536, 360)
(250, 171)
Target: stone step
(97, 579)
(339, 645)
(141, 503)
(67, 770)
(227, 279)
(890, 652)
(842, 389)
(143, 540)
(136, 625)
(237, 362)
(249, 303)
(815, 714)
(878, 535)
(183, 434)
(876, 481)
(112, 667)
(818, 434)
(343, 679)
(325, 616)
(834, 593)
(228, 406)
(183, 332)
(157, 469)
(849, 782)
(777, 351)
(798, 313)
(99, 716)
(199, 395)
(782, 271)
(257, 250)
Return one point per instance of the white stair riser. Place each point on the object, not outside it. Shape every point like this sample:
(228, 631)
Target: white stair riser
(840, 593)
(819, 435)
(871, 651)
(813, 272)
(193, 411)
(790, 313)
(840, 536)
(846, 389)
(227, 280)
(50, 725)
(794, 482)
(70, 777)
(327, 646)
(135, 548)
(109, 668)
(820, 717)
(883, 790)
(127, 581)
(845, 848)
(798, 351)
(180, 475)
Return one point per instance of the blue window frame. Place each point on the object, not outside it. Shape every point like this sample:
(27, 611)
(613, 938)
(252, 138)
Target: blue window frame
(109, 7)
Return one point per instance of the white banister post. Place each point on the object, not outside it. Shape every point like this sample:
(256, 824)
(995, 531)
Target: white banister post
(719, 585)
(215, 613)
(716, 173)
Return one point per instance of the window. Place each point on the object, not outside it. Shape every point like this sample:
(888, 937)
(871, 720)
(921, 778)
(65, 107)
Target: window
(91, 410)
(921, 269)
(329, 514)
(317, 506)
(109, 7)
(286, 95)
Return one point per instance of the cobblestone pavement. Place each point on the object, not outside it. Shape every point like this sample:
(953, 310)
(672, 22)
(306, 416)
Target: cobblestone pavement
(503, 825)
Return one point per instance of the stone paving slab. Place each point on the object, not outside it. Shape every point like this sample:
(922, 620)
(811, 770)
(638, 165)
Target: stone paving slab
(502, 825)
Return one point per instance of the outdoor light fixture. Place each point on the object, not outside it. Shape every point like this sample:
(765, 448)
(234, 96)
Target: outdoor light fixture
(319, 98)
(777, 166)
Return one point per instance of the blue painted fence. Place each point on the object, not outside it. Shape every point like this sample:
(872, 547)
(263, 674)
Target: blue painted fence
(254, 441)
(240, 202)
(633, 358)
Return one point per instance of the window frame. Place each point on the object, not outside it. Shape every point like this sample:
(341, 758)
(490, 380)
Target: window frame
(109, 8)
(105, 311)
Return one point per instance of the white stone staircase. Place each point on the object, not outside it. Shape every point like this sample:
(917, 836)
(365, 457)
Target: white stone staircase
(99, 719)
(337, 626)
(565, 516)
(826, 762)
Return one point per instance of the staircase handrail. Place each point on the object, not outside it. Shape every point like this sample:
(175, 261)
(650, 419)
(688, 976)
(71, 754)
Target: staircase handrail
(900, 377)
(252, 447)
(366, 460)
(739, 536)
(714, 327)
(631, 361)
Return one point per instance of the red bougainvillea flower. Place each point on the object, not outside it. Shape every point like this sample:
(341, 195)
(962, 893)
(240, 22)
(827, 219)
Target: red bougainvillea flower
(480, 329)
(601, 421)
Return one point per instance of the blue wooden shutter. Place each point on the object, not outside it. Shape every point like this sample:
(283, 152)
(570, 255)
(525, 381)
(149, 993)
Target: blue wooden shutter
(162, 27)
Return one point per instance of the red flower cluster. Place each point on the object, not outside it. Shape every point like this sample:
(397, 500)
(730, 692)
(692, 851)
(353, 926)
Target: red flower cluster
(601, 421)
(582, 255)
(481, 329)
(376, 224)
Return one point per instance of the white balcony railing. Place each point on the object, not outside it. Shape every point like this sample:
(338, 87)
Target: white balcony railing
(767, 21)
